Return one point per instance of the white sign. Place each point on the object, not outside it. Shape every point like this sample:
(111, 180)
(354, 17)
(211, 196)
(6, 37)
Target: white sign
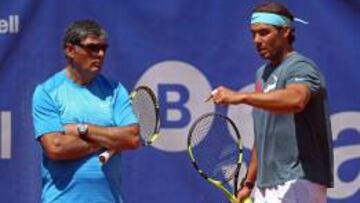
(10, 25)
(5, 135)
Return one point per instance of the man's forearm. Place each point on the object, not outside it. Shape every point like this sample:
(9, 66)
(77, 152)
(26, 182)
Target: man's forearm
(251, 172)
(286, 100)
(59, 146)
(248, 182)
(114, 138)
(291, 99)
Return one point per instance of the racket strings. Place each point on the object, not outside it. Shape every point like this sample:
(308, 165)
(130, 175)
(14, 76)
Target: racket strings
(144, 107)
(216, 152)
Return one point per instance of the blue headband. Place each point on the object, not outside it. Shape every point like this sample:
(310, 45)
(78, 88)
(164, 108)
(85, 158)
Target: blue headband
(270, 18)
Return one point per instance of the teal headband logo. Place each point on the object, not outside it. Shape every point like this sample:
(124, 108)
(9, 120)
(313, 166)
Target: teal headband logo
(274, 19)
(270, 18)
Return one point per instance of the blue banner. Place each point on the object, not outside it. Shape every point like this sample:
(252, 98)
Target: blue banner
(182, 49)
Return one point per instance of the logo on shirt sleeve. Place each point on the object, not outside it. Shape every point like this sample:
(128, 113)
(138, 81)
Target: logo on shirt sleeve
(297, 79)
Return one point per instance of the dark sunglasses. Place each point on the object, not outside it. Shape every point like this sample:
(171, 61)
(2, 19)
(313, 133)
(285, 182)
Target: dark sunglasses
(94, 48)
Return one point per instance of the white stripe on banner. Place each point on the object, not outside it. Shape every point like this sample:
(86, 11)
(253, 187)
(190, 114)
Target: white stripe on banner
(5, 148)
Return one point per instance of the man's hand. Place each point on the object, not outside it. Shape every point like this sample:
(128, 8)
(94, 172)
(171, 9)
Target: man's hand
(243, 194)
(71, 129)
(226, 96)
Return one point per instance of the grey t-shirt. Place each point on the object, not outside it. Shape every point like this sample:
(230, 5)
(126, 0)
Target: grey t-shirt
(293, 145)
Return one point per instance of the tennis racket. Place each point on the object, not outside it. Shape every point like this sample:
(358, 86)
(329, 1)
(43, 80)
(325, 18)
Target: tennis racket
(146, 108)
(215, 150)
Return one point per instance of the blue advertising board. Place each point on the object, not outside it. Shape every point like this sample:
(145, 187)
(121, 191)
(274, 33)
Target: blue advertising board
(182, 49)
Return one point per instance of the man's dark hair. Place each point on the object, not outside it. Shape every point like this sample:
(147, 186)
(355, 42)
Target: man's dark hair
(79, 30)
(277, 8)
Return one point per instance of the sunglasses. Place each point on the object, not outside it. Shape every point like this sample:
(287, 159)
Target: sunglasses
(94, 48)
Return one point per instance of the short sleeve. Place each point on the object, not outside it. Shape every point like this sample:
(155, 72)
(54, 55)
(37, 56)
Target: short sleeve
(123, 110)
(45, 114)
(305, 73)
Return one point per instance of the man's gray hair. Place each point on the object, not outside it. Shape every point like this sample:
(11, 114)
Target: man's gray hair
(79, 30)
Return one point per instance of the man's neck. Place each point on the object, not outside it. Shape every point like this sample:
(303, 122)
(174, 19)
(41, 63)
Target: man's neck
(77, 76)
(282, 56)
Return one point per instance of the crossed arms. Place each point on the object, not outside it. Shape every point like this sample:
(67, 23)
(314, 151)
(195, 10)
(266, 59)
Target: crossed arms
(69, 145)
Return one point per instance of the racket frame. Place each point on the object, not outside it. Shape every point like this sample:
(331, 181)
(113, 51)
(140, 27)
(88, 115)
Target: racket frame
(106, 155)
(218, 184)
(156, 130)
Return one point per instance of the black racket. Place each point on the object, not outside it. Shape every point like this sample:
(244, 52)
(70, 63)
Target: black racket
(146, 108)
(215, 150)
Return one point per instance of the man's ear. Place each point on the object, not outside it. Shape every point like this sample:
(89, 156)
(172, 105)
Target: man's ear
(69, 50)
(287, 32)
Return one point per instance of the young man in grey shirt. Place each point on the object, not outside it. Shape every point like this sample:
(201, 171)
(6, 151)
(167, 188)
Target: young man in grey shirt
(292, 157)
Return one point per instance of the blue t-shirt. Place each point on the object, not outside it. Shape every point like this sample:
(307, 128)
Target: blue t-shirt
(293, 145)
(59, 101)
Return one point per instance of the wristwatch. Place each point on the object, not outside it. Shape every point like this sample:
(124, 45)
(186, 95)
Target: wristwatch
(247, 183)
(82, 130)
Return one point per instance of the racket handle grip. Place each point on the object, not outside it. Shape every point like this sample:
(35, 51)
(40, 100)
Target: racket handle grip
(105, 156)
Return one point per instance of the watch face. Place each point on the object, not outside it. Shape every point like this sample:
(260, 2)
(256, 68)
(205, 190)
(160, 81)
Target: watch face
(82, 129)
